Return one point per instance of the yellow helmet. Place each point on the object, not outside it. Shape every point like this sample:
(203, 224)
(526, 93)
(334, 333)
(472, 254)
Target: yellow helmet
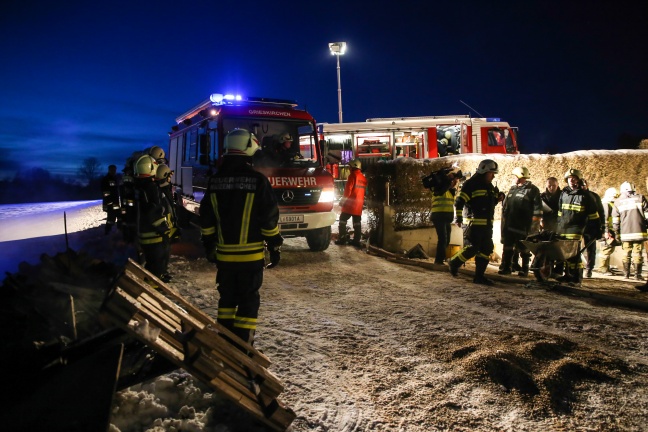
(163, 175)
(157, 153)
(573, 172)
(145, 167)
(355, 163)
(521, 172)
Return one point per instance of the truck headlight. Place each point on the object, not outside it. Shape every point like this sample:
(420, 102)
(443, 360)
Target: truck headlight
(326, 196)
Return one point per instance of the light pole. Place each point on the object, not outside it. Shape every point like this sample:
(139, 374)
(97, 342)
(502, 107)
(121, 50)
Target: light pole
(338, 49)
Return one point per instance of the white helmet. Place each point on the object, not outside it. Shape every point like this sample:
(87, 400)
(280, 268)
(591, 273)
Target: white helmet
(355, 163)
(487, 165)
(448, 135)
(145, 167)
(610, 194)
(241, 142)
(163, 175)
(521, 172)
(627, 187)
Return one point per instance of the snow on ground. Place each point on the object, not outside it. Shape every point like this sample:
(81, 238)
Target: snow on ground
(366, 344)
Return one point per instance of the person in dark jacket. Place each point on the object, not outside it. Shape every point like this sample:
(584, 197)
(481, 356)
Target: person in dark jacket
(128, 199)
(443, 185)
(630, 221)
(238, 216)
(577, 212)
(110, 194)
(479, 197)
(351, 205)
(521, 216)
(593, 233)
(550, 198)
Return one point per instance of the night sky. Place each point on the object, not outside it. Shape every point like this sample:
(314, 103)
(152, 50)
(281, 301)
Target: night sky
(103, 79)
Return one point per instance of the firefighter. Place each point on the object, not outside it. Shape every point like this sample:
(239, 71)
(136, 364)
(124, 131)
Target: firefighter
(478, 197)
(609, 241)
(351, 205)
(592, 233)
(443, 185)
(152, 218)
(110, 193)
(629, 221)
(162, 178)
(550, 198)
(238, 214)
(576, 212)
(444, 145)
(521, 216)
(158, 154)
(128, 210)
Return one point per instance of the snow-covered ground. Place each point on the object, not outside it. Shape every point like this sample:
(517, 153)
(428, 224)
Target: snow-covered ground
(367, 344)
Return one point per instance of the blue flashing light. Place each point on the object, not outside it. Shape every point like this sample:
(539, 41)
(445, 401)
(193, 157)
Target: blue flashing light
(493, 119)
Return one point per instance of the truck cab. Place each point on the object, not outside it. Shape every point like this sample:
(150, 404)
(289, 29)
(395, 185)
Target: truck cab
(302, 185)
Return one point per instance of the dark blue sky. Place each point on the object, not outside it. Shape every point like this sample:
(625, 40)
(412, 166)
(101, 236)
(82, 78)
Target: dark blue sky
(81, 79)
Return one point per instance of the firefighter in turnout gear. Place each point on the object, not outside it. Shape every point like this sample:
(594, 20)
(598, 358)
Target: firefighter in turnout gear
(593, 233)
(443, 185)
(609, 241)
(479, 197)
(521, 216)
(238, 214)
(152, 218)
(110, 193)
(576, 212)
(351, 205)
(128, 209)
(629, 221)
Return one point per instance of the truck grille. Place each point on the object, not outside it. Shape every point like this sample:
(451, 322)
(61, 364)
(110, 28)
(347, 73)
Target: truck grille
(297, 197)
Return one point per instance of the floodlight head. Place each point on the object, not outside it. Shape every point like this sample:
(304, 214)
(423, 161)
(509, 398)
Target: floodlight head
(337, 48)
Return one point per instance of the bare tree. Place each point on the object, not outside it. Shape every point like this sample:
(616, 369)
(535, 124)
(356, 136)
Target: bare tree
(89, 169)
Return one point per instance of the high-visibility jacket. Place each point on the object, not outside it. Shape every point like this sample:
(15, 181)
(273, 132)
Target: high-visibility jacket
(151, 213)
(110, 192)
(479, 198)
(521, 210)
(629, 217)
(354, 193)
(576, 210)
(443, 204)
(238, 212)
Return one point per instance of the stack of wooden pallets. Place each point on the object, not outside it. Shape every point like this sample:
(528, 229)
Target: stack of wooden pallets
(154, 313)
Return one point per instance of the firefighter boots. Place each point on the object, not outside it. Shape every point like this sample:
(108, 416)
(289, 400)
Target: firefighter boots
(454, 265)
(343, 236)
(626, 270)
(505, 267)
(524, 271)
(357, 233)
(638, 272)
(480, 269)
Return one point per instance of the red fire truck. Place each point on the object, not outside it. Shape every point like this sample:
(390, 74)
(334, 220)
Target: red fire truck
(417, 137)
(303, 187)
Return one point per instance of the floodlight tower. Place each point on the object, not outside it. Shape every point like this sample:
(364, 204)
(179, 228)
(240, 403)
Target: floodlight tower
(338, 49)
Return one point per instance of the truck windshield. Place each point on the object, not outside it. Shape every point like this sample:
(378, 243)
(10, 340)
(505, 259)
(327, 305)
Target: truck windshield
(283, 143)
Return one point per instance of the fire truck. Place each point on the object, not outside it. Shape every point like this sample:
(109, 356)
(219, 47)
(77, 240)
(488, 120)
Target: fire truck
(303, 187)
(417, 137)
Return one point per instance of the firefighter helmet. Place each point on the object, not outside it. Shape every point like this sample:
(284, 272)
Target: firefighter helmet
(573, 172)
(486, 166)
(627, 187)
(241, 142)
(285, 138)
(163, 175)
(610, 194)
(156, 153)
(355, 163)
(145, 167)
(447, 135)
(521, 172)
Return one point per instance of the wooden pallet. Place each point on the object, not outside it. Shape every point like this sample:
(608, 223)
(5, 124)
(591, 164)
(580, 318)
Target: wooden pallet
(154, 313)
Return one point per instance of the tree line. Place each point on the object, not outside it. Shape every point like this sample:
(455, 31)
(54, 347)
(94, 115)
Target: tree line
(39, 185)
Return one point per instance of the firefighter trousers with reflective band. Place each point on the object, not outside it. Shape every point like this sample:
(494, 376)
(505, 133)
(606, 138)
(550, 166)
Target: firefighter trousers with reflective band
(157, 256)
(633, 251)
(238, 306)
(478, 242)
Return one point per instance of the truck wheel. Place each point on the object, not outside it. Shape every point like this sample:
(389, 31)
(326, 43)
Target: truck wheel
(319, 239)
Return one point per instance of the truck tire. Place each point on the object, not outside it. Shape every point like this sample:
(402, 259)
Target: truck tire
(319, 239)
